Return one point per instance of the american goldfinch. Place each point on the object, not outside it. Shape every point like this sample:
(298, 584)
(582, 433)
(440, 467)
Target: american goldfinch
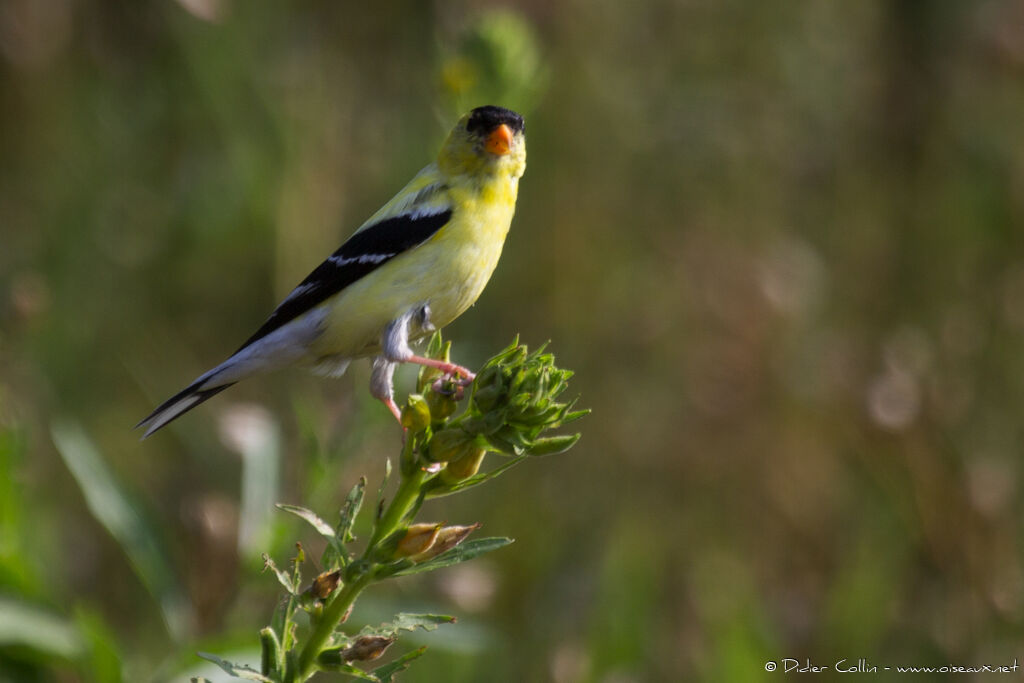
(414, 266)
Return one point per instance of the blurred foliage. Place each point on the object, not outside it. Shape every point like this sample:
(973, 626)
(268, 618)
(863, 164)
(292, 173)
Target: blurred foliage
(779, 242)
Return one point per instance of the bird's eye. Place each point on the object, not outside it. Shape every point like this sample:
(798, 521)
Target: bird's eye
(483, 120)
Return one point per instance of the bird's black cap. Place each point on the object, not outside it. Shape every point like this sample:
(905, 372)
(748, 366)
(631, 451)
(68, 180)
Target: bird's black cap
(485, 119)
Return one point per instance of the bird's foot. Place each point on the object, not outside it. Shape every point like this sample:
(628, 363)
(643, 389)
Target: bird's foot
(444, 366)
(450, 387)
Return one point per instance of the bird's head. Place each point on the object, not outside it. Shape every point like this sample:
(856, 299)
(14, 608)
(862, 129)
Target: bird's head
(486, 141)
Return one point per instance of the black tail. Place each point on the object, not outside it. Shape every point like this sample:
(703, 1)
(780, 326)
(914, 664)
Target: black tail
(179, 404)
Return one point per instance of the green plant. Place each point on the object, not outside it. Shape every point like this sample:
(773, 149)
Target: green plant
(512, 403)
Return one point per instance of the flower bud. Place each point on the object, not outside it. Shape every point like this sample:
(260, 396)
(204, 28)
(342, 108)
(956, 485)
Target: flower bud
(366, 648)
(324, 584)
(449, 444)
(415, 414)
(437, 350)
(270, 652)
(363, 649)
(488, 377)
(464, 467)
(417, 539)
(447, 538)
(484, 424)
(443, 399)
(487, 398)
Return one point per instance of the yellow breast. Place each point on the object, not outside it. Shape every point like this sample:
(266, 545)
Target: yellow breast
(448, 273)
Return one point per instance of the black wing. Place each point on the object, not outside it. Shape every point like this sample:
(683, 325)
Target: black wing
(363, 253)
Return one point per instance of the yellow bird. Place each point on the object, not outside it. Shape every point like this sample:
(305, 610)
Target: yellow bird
(414, 266)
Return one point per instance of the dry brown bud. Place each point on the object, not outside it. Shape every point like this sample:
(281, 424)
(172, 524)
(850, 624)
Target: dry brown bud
(418, 538)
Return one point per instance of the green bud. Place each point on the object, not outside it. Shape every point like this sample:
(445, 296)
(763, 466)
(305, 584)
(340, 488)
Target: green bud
(518, 355)
(464, 467)
(270, 652)
(416, 414)
(449, 444)
(503, 356)
(520, 402)
(438, 351)
(444, 403)
(515, 380)
(487, 398)
(484, 424)
(486, 378)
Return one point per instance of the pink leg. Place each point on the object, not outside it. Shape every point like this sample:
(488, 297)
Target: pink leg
(447, 368)
(390, 403)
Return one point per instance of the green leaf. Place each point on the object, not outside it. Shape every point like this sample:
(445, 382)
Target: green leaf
(460, 553)
(553, 445)
(503, 355)
(383, 571)
(386, 673)
(236, 670)
(334, 546)
(575, 415)
(499, 444)
(123, 519)
(406, 621)
(518, 436)
(350, 511)
(349, 670)
(384, 483)
(314, 520)
(282, 576)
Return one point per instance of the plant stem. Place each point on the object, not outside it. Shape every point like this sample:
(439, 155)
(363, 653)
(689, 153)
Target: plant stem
(404, 502)
(333, 614)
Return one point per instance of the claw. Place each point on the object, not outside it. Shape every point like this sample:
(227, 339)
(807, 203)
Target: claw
(393, 407)
(450, 387)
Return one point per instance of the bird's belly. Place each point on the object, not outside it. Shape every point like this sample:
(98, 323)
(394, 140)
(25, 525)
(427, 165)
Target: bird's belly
(448, 273)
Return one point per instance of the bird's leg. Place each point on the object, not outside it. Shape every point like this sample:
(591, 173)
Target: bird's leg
(381, 385)
(395, 344)
(447, 368)
(423, 317)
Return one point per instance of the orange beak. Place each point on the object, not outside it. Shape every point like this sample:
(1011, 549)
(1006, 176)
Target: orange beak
(499, 142)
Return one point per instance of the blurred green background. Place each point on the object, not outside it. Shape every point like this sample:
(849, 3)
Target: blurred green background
(781, 244)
